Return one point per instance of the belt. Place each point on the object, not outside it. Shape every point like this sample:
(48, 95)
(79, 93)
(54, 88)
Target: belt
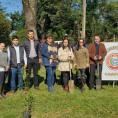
(18, 64)
(32, 57)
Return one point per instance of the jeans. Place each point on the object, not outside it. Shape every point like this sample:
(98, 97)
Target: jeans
(80, 77)
(50, 75)
(17, 70)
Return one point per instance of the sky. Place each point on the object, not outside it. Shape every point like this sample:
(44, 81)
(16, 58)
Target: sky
(12, 5)
(15, 5)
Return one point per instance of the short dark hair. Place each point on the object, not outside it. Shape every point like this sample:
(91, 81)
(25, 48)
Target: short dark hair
(2, 42)
(14, 37)
(97, 36)
(30, 31)
(49, 35)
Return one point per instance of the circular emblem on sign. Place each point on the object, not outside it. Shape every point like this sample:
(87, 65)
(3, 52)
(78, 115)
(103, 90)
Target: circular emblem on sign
(112, 61)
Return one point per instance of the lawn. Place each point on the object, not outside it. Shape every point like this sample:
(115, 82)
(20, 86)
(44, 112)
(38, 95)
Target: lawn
(61, 104)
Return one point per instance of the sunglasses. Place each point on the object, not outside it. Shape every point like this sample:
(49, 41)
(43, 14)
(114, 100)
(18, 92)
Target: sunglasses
(81, 42)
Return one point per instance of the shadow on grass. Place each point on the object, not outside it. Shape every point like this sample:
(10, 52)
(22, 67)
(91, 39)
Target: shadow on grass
(40, 80)
(8, 76)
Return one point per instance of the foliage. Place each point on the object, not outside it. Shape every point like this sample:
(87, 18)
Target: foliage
(110, 15)
(18, 26)
(22, 35)
(28, 101)
(5, 28)
(101, 19)
(65, 16)
(17, 21)
(57, 17)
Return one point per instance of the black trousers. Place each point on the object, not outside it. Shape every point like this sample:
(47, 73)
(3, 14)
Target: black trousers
(65, 77)
(93, 68)
(87, 73)
(32, 63)
(3, 76)
(80, 77)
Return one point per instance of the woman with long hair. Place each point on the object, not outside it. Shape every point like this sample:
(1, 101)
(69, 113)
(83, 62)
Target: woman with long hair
(81, 62)
(49, 60)
(65, 54)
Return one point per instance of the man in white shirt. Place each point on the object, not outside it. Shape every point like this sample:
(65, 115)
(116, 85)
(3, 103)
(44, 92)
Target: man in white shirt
(17, 58)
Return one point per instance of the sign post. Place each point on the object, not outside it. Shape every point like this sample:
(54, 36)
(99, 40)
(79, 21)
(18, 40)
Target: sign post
(110, 63)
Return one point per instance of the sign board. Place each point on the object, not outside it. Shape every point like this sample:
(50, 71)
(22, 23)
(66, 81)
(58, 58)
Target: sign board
(110, 63)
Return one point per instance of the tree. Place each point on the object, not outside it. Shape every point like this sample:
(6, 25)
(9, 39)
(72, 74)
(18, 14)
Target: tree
(17, 21)
(58, 17)
(29, 8)
(110, 16)
(5, 28)
(22, 35)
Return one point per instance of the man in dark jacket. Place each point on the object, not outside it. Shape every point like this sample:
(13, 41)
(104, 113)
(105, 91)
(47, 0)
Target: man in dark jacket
(32, 49)
(17, 58)
(97, 52)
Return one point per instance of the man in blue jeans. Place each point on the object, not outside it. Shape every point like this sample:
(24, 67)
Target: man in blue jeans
(17, 58)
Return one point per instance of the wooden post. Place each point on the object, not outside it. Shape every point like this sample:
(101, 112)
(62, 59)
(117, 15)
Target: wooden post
(84, 19)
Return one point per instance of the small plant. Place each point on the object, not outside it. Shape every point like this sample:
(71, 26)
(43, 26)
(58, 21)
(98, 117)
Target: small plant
(28, 100)
(27, 105)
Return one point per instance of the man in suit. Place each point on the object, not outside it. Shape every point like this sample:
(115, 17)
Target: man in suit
(33, 53)
(17, 58)
(97, 52)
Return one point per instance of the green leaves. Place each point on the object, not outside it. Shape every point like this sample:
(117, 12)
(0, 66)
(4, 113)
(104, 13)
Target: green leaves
(5, 28)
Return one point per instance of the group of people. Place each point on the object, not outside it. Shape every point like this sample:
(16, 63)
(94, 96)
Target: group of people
(31, 54)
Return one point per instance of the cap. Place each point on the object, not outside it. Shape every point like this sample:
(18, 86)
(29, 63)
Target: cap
(65, 35)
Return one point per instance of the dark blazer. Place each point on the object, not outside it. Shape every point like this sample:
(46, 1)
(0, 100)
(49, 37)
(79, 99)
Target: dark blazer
(26, 45)
(92, 52)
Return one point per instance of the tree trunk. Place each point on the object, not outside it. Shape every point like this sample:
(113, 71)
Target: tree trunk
(29, 8)
(42, 23)
(79, 33)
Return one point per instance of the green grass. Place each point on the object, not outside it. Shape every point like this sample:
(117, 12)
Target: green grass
(61, 104)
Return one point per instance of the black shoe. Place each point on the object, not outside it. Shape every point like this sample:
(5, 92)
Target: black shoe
(82, 89)
(102, 88)
(90, 88)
